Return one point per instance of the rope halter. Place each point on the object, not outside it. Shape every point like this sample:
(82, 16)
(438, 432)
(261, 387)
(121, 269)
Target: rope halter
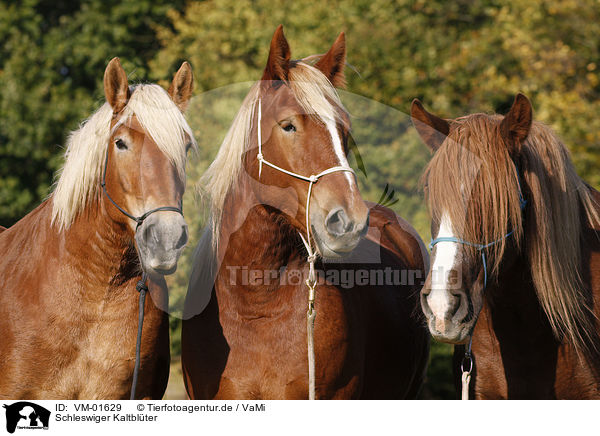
(311, 281)
(482, 247)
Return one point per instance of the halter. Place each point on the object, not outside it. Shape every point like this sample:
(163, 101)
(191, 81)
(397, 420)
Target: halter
(481, 247)
(466, 366)
(311, 281)
(141, 285)
(140, 219)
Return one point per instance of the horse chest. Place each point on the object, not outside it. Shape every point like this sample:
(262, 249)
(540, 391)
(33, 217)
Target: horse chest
(528, 366)
(94, 358)
(268, 355)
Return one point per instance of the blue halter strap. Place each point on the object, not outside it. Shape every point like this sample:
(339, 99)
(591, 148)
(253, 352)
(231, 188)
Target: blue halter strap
(482, 247)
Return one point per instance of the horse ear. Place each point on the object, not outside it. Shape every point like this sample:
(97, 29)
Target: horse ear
(182, 86)
(516, 124)
(432, 129)
(116, 88)
(333, 62)
(278, 64)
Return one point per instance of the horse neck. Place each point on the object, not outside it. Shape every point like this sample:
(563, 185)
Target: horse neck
(100, 249)
(254, 237)
(514, 292)
(513, 325)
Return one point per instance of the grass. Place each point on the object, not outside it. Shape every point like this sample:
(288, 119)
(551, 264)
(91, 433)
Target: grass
(175, 388)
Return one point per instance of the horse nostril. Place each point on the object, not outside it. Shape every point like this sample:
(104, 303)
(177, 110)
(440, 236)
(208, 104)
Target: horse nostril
(454, 304)
(337, 222)
(442, 304)
(425, 304)
(183, 238)
(363, 228)
(149, 234)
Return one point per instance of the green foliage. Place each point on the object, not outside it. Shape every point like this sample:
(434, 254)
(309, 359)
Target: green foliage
(51, 66)
(439, 383)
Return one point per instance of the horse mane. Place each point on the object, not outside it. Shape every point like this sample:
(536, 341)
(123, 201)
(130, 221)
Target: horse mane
(79, 179)
(475, 154)
(315, 95)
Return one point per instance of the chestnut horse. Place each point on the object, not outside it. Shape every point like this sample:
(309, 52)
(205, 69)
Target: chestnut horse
(68, 299)
(250, 342)
(516, 255)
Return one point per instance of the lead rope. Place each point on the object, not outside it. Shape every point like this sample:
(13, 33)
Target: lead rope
(142, 288)
(311, 281)
(466, 374)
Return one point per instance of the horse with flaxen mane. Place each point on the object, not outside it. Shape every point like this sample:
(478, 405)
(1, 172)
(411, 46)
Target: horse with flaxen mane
(250, 342)
(68, 270)
(516, 255)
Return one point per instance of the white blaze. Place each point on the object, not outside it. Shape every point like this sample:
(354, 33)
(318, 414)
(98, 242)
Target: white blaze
(339, 150)
(443, 262)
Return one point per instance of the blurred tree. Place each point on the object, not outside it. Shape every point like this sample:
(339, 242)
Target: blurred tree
(51, 63)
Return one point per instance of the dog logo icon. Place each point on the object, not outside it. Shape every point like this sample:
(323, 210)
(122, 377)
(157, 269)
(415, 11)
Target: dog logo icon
(26, 415)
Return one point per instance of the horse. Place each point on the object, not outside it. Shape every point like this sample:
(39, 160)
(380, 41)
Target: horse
(244, 334)
(515, 256)
(68, 273)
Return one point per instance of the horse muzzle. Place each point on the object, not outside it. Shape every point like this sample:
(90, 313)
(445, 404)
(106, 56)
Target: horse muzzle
(161, 238)
(338, 233)
(449, 314)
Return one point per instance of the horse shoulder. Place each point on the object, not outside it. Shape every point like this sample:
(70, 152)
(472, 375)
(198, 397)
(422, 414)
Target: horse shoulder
(396, 235)
(26, 238)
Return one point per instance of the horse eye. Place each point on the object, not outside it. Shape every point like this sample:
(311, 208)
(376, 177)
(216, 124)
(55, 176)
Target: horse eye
(288, 127)
(121, 144)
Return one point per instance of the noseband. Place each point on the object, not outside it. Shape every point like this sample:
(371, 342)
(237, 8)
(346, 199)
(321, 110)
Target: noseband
(141, 285)
(311, 281)
(467, 363)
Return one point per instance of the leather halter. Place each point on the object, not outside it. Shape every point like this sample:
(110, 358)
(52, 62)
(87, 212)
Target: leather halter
(140, 219)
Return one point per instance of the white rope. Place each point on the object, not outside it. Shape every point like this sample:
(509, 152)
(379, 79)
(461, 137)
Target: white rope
(466, 373)
(466, 379)
(311, 281)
